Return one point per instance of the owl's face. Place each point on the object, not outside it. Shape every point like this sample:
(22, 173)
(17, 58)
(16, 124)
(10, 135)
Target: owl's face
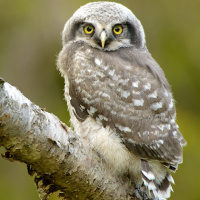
(110, 36)
(108, 28)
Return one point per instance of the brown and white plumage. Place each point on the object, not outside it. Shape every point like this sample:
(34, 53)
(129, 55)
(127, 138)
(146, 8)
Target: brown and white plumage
(118, 96)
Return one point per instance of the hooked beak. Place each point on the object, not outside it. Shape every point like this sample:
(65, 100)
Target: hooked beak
(103, 38)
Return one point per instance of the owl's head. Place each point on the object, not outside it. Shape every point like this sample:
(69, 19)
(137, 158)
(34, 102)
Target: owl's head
(105, 25)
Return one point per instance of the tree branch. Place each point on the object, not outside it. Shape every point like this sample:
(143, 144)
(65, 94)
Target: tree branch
(61, 159)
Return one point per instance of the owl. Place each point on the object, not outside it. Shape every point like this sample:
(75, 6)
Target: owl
(118, 97)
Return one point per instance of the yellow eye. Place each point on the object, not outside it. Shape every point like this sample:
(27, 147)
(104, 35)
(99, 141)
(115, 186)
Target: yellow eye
(118, 29)
(89, 29)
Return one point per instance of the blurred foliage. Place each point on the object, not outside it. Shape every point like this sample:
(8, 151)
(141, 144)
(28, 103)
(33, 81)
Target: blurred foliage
(30, 39)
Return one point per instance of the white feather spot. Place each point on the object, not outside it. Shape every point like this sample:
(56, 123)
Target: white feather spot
(166, 120)
(175, 126)
(105, 67)
(97, 61)
(162, 116)
(151, 186)
(137, 93)
(89, 70)
(147, 86)
(123, 128)
(161, 127)
(125, 94)
(166, 93)
(124, 81)
(175, 134)
(86, 93)
(127, 41)
(156, 106)
(139, 134)
(107, 107)
(111, 72)
(88, 51)
(170, 178)
(130, 141)
(172, 121)
(153, 95)
(113, 112)
(101, 74)
(122, 115)
(160, 141)
(149, 175)
(101, 117)
(118, 89)
(86, 100)
(171, 104)
(105, 95)
(82, 107)
(116, 78)
(135, 84)
(138, 102)
(98, 121)
(168, 126)
(145, 182)
(111, 84)
(158, 145)
(145, 133)
(92, 110)
(152, 126)
(78, 80)
(164, 194)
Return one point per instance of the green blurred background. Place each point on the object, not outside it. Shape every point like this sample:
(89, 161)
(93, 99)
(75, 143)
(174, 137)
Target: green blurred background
(30, 39)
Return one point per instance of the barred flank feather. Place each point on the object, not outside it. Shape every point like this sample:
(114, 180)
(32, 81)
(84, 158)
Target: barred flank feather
(160, 190)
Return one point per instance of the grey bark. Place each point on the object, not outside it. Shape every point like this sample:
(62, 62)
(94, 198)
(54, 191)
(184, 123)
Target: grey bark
(59, 158)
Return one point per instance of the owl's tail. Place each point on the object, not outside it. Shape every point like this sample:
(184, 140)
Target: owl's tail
(157, 183)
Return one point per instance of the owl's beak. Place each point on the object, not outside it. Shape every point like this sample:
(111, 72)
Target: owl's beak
(103, 38)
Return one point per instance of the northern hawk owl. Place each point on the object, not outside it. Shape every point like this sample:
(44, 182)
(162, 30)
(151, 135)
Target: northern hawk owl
(118, 96)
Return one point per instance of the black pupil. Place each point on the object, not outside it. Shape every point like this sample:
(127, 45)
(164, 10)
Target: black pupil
(117, 29)
(89, 29)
